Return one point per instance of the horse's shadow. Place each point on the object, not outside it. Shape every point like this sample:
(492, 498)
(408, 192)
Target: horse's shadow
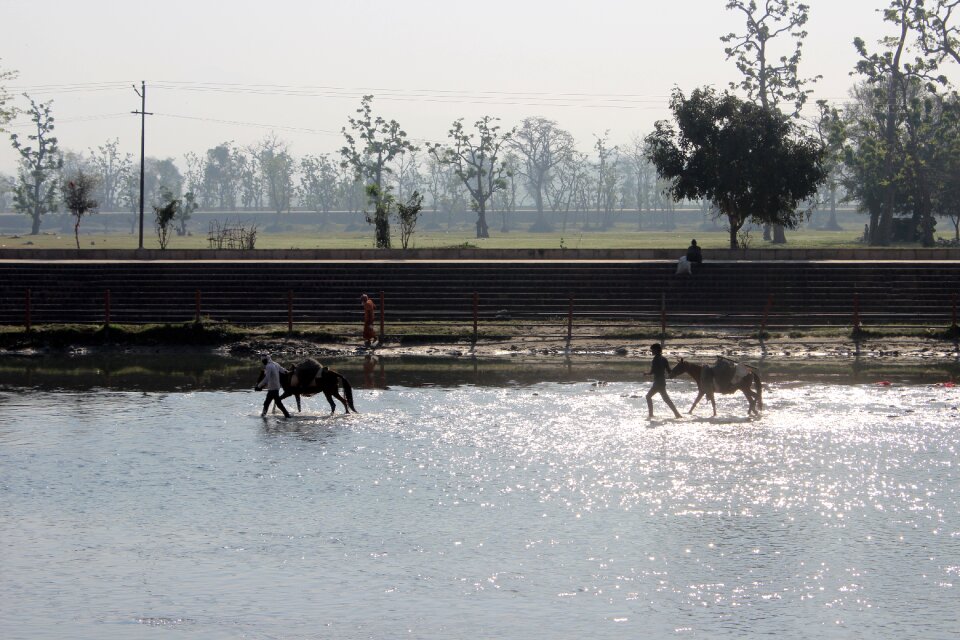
(312, 427)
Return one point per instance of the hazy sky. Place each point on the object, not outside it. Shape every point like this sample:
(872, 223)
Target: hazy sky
(219, 71)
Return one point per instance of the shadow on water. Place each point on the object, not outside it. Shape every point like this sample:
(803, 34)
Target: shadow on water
(310, 427)
(199, 372)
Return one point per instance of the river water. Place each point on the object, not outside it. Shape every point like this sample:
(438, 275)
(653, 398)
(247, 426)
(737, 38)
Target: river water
(475, 500)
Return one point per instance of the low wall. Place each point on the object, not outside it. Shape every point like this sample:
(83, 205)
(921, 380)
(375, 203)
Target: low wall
(762, 255)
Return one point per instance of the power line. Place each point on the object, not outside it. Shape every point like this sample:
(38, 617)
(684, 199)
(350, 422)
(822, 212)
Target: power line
(250, 124)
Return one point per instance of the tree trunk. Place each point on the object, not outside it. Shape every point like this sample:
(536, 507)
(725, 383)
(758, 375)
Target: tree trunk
(734, 228)
(482, 230)
(779, 234)
(381, 222)
(833, 225)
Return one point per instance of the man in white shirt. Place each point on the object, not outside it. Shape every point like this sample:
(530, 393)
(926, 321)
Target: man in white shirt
(271, 382)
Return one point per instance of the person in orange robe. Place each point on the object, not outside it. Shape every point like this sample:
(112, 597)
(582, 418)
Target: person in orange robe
(369, 312)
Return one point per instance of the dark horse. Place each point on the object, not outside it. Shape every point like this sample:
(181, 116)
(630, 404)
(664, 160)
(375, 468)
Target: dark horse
(707, 382)
(308, 378)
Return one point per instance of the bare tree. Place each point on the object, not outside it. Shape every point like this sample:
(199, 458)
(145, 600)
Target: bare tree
(110, 167)
(607, 179)
(276, 166)
(542, 146)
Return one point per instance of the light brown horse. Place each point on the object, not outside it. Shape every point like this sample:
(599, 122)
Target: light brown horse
(704, 376)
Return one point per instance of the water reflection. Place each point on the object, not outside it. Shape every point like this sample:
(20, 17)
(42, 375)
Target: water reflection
(192, 372)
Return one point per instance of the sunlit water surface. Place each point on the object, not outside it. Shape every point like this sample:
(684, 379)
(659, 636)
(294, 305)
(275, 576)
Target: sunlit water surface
(543, 511)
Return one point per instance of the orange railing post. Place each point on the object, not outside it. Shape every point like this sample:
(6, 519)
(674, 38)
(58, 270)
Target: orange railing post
(290, 311)
(476, 301)
(381, 316)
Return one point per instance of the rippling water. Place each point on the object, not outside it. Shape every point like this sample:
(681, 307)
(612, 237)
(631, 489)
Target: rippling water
(538, 511)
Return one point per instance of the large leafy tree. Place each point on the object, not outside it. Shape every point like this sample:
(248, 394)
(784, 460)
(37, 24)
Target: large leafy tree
(40, 163)
(892, 72)
(475, 158)
(372, 144)
(753, 163)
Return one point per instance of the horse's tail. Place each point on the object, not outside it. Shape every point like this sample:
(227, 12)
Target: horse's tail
(759, 387)
(347, 392)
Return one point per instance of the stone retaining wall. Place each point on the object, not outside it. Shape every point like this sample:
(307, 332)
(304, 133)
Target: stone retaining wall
(863, 255)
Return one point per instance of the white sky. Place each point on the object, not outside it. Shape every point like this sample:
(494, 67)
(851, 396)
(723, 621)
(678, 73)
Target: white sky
(299, 67)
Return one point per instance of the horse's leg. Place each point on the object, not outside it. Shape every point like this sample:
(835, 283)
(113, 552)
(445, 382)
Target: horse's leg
(759, 386)
(713, 402)
(336, 394)
(287, 394)
(695, 402)
(333, 407)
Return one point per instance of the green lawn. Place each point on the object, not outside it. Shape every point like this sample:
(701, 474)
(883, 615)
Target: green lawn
(624, 236)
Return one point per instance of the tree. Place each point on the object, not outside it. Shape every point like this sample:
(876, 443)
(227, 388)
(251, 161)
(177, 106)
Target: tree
(187, 207)
(891, 71)
(407, 214)
(767, 80)
(754, 164)
(165, 211)
(831, 131)
(36, 191)
(220, 177)
(608, 179)
(643, 176)
(370, 149)
(318, 183)
(475, 160)
(110, 167)
(7, 188)
(939, 34)
(276, 165)
(193, 175)
(250, 177)
(78, 198)
(6, 113)
(542, 146)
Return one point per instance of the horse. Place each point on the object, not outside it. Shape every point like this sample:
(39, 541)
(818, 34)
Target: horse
(705, 377)
(324, 380)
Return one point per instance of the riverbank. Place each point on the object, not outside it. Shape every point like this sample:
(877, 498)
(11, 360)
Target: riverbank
(508, 341)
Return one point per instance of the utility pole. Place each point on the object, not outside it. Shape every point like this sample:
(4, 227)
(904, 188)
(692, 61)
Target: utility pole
(143, 128)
